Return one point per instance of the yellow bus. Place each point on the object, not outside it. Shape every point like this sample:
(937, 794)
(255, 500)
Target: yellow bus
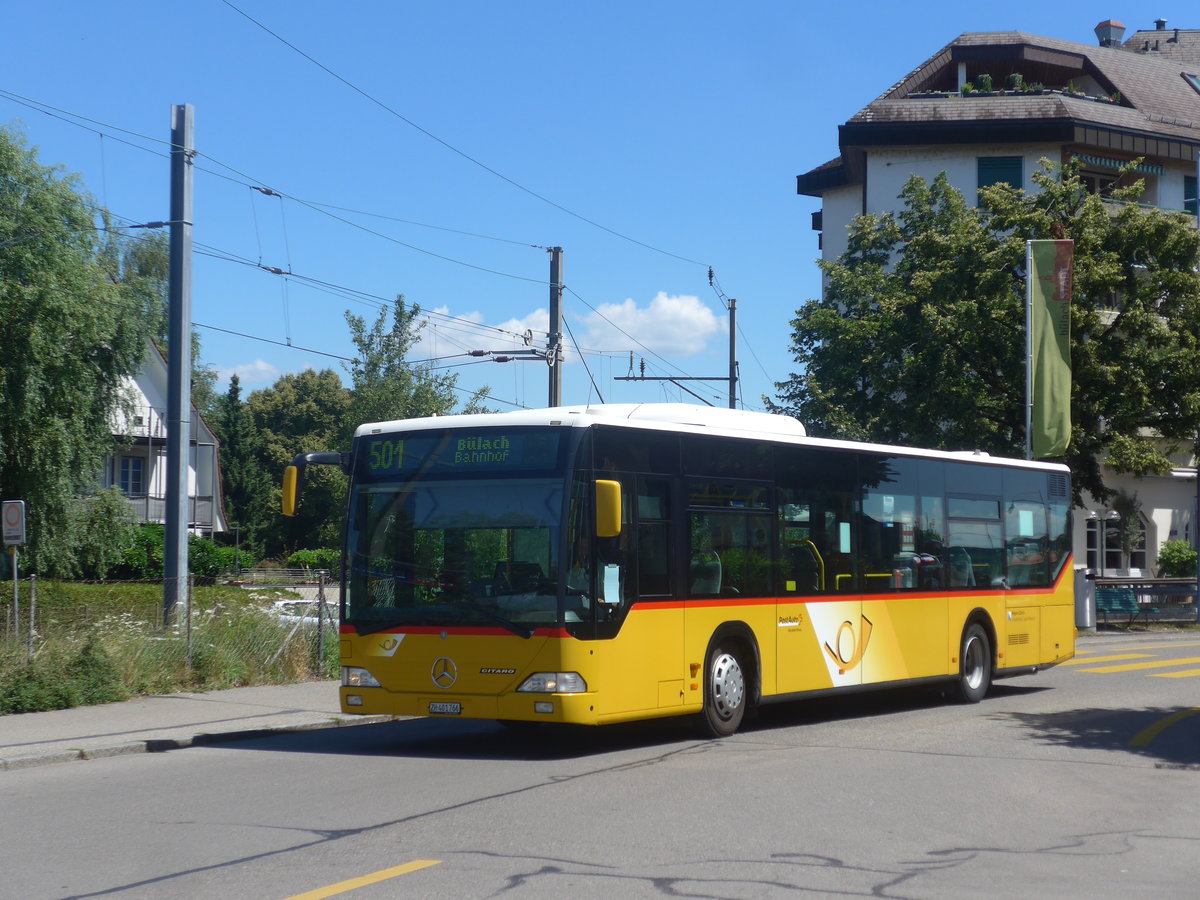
(610, 563)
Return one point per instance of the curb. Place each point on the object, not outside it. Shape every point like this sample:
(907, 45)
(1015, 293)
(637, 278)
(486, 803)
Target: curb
(202, 739)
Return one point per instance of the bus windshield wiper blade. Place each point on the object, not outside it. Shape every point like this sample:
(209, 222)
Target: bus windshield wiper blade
(414, 616)
(365, 628)
(516, 628)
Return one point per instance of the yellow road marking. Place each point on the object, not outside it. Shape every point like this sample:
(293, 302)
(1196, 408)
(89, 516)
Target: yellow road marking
(1186, 673)
(1146, 735)
(343, 887)
(1158, 647)
(1136, 667)
(1099, 659)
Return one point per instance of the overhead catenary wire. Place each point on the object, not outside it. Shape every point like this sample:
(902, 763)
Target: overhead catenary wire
(586, 367)
(247, 180)
(390, 110)
(318, 206)
(128, 307)
(715, 284)
(578, 297)
(326, 209)
(467, 327)
(352, 294)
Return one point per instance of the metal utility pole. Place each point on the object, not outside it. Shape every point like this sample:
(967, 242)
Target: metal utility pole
(732, 377)
(732, 353)
(554, 353)
(179, 362)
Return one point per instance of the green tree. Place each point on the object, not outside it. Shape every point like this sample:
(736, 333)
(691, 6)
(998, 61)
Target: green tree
(102, 526)
(920, 336)
(142, 266)
(246, 485)
(305, 411)
(384, 385)
(71, 334)
(313, 411)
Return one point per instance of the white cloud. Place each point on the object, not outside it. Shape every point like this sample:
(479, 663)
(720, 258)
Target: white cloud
(677, 325)
(259, 373)
(670, 325)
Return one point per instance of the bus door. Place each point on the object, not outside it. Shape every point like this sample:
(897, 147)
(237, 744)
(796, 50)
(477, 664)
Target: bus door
(641, 663)
(818, 627)
(903, 561)
(728, 564)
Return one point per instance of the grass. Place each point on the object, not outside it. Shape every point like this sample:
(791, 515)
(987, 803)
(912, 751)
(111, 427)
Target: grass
(95, 643)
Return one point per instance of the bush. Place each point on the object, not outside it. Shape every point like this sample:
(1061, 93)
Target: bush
(204, 557)
(89, 677)
(34, 689)
(92, 676)
(324, 558)
(143, 557)
(235, 557)
(1176, 559)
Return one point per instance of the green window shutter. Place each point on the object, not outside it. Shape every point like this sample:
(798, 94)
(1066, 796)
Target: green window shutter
(995, 169)
(1189, 195)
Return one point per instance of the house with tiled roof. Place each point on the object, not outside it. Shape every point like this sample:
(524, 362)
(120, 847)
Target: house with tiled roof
(987, 108)
(138, 464)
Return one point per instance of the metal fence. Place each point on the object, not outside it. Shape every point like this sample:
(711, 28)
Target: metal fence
(273, 576)
(296, 621)
(1160, 599)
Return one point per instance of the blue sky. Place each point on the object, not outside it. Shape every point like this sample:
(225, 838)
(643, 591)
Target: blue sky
(650, 140)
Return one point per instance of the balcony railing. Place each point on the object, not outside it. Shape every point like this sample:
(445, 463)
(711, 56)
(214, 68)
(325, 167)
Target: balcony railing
(147, 509)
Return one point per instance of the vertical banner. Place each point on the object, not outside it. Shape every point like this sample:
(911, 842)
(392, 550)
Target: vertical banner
(1048, 317)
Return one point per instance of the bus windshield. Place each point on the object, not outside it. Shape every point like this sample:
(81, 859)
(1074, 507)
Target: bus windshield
(479, 551)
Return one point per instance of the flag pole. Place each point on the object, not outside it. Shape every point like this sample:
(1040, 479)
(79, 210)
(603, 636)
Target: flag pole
(1029, 349)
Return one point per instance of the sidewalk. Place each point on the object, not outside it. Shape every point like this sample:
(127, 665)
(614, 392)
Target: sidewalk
(168, 722)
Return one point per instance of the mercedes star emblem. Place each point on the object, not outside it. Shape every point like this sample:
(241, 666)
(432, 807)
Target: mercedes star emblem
(444, 672)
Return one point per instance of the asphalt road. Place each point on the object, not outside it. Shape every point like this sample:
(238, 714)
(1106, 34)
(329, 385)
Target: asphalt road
(1083, 781)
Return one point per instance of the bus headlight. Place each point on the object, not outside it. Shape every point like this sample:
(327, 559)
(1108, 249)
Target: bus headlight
(553, 683)
(360, 678)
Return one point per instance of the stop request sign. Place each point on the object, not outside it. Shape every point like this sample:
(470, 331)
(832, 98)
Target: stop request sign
(13, 517)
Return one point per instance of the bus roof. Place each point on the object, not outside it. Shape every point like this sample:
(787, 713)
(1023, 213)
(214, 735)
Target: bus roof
(683, 417)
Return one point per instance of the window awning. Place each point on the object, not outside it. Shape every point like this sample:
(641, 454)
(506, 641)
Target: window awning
(1106, 162)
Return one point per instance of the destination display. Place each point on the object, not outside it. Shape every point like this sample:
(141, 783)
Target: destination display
(442, 452)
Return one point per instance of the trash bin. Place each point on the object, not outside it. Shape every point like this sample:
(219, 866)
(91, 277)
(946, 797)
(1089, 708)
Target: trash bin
(1085, 599)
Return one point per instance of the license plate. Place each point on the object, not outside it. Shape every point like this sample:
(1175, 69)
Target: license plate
(444, 709)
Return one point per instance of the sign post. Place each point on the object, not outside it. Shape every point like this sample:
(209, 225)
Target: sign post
(12, 516)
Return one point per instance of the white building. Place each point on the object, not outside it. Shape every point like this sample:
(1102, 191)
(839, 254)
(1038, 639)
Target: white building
(1104, 104)
(139, 466)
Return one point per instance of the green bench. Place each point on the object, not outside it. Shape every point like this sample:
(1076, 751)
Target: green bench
(1121, 601)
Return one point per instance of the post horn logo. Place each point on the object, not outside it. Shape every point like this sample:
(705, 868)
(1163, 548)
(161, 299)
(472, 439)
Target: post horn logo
(444, 672)
(850, 651)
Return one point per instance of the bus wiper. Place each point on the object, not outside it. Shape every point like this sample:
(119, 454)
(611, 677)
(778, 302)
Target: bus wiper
(515, 627)
(365, 628)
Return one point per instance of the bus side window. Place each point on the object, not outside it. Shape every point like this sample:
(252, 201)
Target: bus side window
(704, 564)
(975, 543)
(654, 537)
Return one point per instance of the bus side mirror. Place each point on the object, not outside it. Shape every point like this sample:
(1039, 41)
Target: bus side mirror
(608, 508)
(291, 490)
(293, 475)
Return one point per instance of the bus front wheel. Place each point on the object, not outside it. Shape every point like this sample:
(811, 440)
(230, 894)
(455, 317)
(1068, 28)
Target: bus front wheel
(975, 664)
(724, 691)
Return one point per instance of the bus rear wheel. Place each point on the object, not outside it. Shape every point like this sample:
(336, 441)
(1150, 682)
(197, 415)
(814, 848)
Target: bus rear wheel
(974, 664)
(724, 691)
